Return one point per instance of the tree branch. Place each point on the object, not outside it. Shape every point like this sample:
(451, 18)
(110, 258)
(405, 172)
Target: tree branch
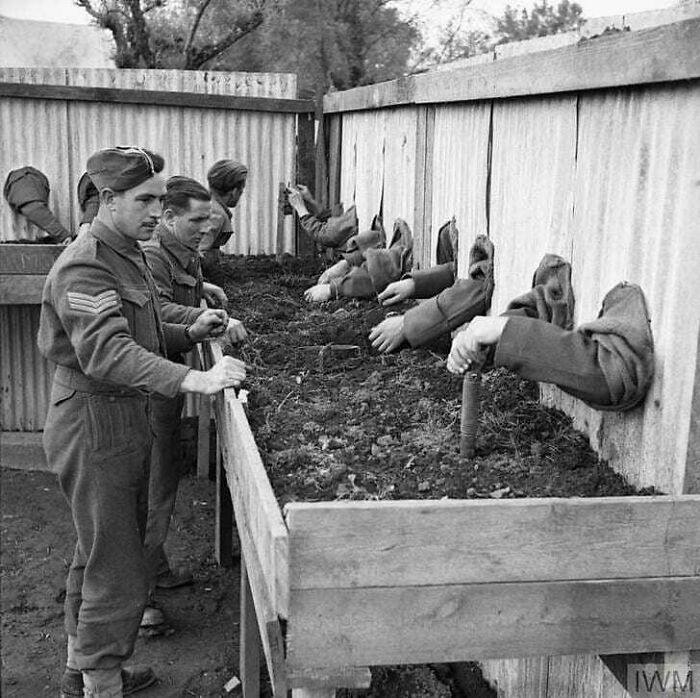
(195, 26)
(199, 56)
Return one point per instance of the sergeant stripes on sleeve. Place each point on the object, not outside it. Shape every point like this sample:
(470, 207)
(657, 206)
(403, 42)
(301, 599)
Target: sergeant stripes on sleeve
(84, 302)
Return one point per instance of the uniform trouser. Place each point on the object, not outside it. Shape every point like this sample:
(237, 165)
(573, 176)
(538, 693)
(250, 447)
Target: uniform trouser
(99, 446)
(166, 418)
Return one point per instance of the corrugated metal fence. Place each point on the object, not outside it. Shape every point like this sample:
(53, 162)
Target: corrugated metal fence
(590, 151)
(57, 131)
(58, 135)
(606, 178)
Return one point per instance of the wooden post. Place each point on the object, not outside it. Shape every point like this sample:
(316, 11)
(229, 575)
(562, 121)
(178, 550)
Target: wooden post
(306, 174)
(422, 212)
(249, 659)
(280, 220)
(203, 435)
(335, 146)
(224, 516)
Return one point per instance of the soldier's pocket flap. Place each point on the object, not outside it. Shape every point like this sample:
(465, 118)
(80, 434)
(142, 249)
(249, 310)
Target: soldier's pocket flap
(136, 295)
(184, 278)
(61, 393)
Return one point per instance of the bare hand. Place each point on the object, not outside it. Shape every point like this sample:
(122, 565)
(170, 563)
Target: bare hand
(305, 192)
(296, 201)
(337, 271)
(469, 346)
(388, 335)
(235, 332)
(214, 295)
(227, 373)
(211, 323)
(320, 293)
(397, 291)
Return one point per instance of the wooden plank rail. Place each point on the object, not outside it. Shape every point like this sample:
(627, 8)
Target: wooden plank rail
(611, 60)
(107, 95)
(375, 544)
(261, 529)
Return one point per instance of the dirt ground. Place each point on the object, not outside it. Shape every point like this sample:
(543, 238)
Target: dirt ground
(37, 545)
(333, 420)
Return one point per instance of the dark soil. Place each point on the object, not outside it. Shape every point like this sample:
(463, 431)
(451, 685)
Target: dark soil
(334, 420)
(331, 423)
(37, 545)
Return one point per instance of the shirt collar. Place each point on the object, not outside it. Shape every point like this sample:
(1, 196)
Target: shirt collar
(177, 249)
(120, 243)
(225, 209)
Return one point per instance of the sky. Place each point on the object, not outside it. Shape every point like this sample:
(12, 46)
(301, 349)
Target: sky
(66, 11)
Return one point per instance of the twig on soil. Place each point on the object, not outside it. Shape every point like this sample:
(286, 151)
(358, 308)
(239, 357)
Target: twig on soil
(284, 399)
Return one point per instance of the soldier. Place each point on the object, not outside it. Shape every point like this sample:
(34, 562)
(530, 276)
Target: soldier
(450, 301)
(227, 180)
(329, 228)
(174, 261)
(27, 191)
(367, 267)
(100, 324)
(608, 363)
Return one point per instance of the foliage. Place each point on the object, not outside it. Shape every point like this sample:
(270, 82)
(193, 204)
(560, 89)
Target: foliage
(515, 24)
(543, 19)
(177, 34)
(330, 44)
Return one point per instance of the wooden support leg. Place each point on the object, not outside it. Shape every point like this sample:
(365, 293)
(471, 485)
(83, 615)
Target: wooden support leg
(203, 436)
(224, 516)
(249, 660)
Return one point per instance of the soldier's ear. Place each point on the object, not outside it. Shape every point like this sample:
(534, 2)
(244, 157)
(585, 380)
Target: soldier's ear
(107, 197)
(168, 217)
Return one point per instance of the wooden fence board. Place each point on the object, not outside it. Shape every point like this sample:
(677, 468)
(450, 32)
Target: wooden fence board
(390, 625)
(21, 290)
(375, 544)
(107, 95)
(659, 54)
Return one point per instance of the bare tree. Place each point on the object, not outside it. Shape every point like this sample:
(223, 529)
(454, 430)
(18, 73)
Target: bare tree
(184, 34)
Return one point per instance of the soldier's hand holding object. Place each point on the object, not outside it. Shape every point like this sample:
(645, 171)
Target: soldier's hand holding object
(235, 332)
(211, 323)
(227, 373)
(469, 346)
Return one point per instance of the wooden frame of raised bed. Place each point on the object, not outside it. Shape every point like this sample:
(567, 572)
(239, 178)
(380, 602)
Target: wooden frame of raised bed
(332, 588)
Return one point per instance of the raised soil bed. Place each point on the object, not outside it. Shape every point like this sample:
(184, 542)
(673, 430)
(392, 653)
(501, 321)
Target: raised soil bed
(395, 550)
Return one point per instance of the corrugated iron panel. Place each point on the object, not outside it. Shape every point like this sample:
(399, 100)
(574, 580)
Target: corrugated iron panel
(637, 208)
(28, 137)
(459, 172)
(63, 135)
(362, 164)
(25, 375)
(532, 178)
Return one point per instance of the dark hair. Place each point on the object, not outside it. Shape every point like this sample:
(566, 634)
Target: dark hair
(179, 190)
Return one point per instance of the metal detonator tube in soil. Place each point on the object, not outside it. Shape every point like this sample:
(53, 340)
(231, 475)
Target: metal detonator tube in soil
(471, 386)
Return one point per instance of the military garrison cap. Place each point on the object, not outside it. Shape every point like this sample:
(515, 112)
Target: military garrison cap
(226, 174)
(122, 167)
(24, 186)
